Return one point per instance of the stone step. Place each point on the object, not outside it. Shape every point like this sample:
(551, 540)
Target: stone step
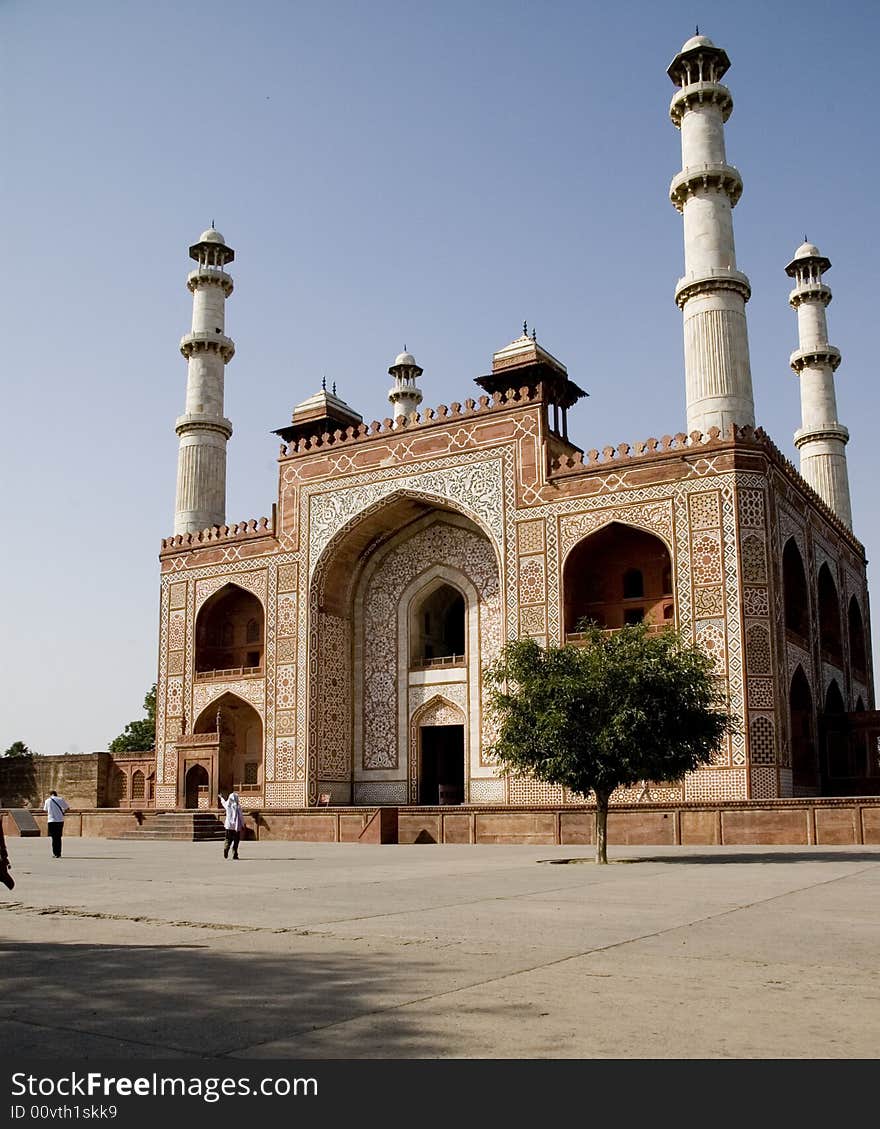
(189, 826)
(180, 836)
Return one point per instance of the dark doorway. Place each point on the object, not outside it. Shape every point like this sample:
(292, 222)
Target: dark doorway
(441, 764)
(196, 778)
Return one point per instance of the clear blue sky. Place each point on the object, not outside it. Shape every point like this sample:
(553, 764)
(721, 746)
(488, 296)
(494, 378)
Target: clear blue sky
(420, 172)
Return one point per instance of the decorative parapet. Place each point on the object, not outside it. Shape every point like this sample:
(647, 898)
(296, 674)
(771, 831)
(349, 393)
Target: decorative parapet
(681, 444)
(241, 531)
(581, 461)
(431, 416)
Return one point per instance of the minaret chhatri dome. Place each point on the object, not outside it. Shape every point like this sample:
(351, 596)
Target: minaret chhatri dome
(405, 395)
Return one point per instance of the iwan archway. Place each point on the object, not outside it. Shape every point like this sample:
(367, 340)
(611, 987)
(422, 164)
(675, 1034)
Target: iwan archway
(404, 608)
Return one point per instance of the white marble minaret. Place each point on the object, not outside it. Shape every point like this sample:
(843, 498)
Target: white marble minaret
(405, 395)
(821, 439)
(713, 293)
(203, 429)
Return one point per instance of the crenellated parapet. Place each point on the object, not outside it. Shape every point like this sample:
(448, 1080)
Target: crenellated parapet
(240, 531)
(417, 421)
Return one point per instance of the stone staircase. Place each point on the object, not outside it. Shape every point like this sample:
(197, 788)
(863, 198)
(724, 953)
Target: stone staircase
(188, 826)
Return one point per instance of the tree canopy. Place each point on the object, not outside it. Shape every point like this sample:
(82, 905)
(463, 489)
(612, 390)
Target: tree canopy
(18, 749)
(139, 736)
(626, 706)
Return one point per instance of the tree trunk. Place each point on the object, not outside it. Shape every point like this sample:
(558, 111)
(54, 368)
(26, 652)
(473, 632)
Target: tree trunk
(602, 826)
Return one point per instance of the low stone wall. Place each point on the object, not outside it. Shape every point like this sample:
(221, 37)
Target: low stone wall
(809, 822)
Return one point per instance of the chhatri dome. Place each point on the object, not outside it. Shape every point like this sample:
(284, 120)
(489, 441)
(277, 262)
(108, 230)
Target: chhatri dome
(212, 235)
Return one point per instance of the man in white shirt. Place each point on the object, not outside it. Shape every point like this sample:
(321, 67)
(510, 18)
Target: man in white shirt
(55, 807)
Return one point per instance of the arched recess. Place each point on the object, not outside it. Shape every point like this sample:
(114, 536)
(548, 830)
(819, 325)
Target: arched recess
(838, 761)
(240, 764)
(858, 652)
(438, 753)
(358, 662)
(804, 753)
(230, 632)
(138, 785)
(860, 705)
(794, 588)
(437, 629)
(195, 786)
(618, 575)
(829, 618)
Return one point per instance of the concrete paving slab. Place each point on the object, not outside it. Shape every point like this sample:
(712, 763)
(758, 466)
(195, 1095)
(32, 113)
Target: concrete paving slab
(164, 949)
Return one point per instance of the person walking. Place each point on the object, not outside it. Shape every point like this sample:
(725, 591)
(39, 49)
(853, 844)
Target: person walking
(5, 877)
(55, 807)
(234, 823)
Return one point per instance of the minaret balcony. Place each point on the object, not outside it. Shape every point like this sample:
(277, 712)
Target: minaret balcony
(722, 278)
(198, 421)
(830, 433)
(695, 179)
(209, 276)
(825, 356)
(700, 94)
(201, 341)
(809, 292)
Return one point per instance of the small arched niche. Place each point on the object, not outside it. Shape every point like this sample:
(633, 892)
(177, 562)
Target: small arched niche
(437, 627)
(794, 586)
(804, 758)
(616, 576)
(230, 632)
(858, 655)
(829, 618)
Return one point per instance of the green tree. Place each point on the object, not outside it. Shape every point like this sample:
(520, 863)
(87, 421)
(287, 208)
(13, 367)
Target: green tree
(625, 707)
(18, 749)
(139, 736)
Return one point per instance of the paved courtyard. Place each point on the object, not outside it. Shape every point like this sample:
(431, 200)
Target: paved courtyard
(300, 950)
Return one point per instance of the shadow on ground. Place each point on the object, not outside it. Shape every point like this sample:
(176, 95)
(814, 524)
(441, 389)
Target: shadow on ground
(805, 855)
(191, 1001)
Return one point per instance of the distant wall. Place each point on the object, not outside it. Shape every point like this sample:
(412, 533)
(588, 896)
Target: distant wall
(25, 782)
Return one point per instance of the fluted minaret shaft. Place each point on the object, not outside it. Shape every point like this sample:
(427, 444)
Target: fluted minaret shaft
(203, 429)
(713, 293)
(821, 438)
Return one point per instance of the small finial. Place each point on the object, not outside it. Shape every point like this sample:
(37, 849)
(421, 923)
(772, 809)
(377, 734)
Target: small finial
(805, 238)
(534, 334)
(334, 387)
(525, 329)
(212, 223)
(404, 346)
(697, 32)
(323, 383)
